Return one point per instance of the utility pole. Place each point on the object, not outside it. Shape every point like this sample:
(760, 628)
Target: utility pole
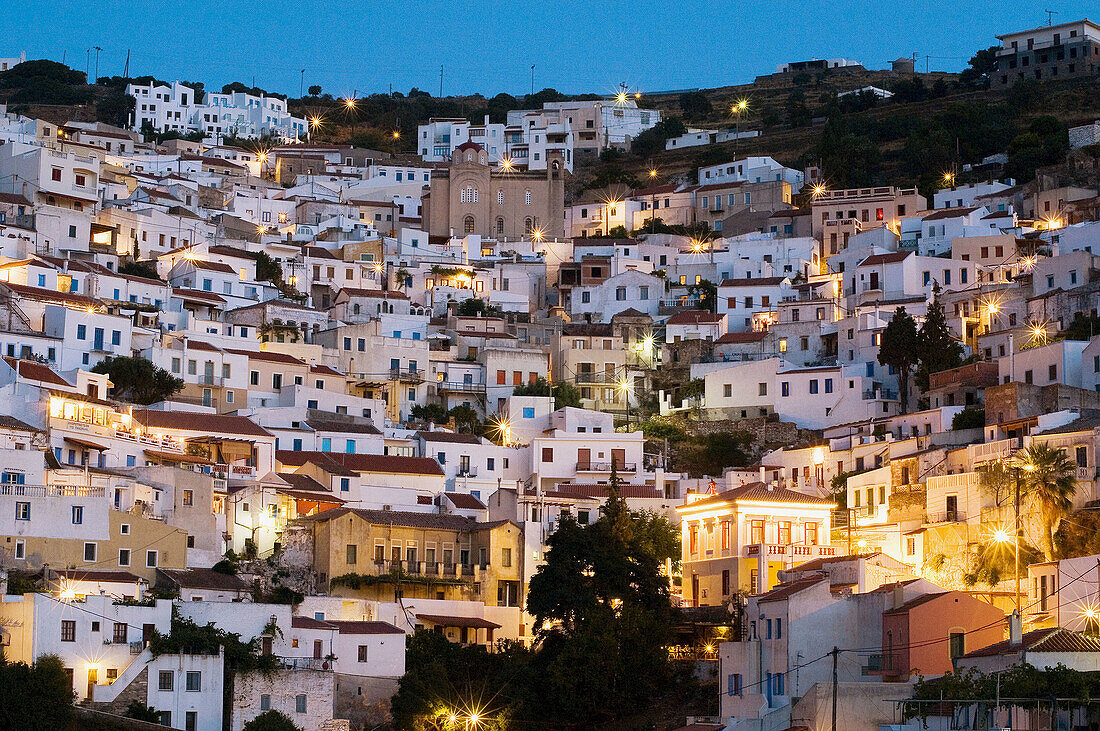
(440, 81)
(302, 85)
(126, 68)
(1017, 541)
(1050, 16)
(97, 50)
(532, 79)
(835, 653)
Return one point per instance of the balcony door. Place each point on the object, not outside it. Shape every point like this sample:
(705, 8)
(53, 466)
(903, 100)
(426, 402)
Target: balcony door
(618, 458)
(584, 459)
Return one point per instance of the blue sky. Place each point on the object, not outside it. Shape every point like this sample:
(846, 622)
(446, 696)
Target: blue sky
(489, 47)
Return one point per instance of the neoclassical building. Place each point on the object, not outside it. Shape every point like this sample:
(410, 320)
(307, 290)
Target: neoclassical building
(471, 196)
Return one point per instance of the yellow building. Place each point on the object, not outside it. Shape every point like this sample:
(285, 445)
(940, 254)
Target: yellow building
(134, 543)
(386, 555)
(738, 540)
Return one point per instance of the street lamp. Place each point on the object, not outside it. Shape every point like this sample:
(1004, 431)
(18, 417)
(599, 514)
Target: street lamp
(1001, 536)
(624, 387)
(653, 199)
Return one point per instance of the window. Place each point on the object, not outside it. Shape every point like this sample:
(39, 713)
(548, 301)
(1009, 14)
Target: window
(734, 684)
(352, 553)
(165, 680)
(300, 703)
(151, 559)
(188, 497)
(1052, 372)
(362, 655)
(785, 389)
(78, 514)
(90, 552)
(506, 557)
(763, 389)
(727, 390)
(68, 630)
(119, 635)
(547, 456)
(811, 534)
(194, 681)
(813, 386)
(958, 644)
(124, 557)
(265, 702)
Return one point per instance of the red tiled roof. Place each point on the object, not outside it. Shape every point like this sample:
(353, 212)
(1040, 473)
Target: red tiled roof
(753, 282)
(49, 295)
(303, 482)
(374, 293)
(124, 577)
(740, 338)
(214, 266)
(786, 591)
(464, 501)
(324, 370)
(600, 491)
(450, 621)
(447, 436)
(385, 463)
(949, 213)
(199, 422)
(916, 602)
(196, 294)
(890, 258)
(694, 317)
(267, 355)
(365, 628)
(34, 371)
(1051, 639)
(762, 492)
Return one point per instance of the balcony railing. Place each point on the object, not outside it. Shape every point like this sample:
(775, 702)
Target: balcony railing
(468, 472)
(409, 375)
(597, 377)
(948, 516)
(460, 387)
(205, 380)
(305, 663)
(606, 467)
(51, 490)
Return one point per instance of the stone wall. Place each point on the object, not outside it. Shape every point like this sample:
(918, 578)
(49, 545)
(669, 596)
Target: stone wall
(365, 701)
(137, 690)
(282, 688)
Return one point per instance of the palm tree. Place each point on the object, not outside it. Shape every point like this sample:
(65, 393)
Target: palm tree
(1049, 478)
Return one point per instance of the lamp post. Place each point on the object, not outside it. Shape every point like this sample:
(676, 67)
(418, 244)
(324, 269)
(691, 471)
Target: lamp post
(653, 199)
(1001, 536)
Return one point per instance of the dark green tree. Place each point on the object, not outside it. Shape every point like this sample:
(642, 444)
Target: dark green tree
(900, 349)
(981, 68)
(142, 712)
(271, 721)
(138, 380)
(314, 90)
(566, 394)
(37, 697)
(707, 292)
(695, 105)
(603, 612)
(939, 350)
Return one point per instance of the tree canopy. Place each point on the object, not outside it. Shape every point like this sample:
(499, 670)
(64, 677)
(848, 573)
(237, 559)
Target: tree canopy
(271, 721)
(138, 380)
(900, 348)
(939, 350)
(36, 697)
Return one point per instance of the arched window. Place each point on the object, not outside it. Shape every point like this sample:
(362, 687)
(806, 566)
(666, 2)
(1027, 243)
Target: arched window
(469, 157)
(355, 309)
(468, 195)
(500, 225)
(527, 225)
(500, 197)
(527, 198)
(468, 224)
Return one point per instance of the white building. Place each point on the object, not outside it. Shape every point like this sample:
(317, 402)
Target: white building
(752, 170)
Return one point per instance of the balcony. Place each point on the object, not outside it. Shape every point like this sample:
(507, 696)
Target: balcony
(790, 553)
(467, 472)
(51, 490)
(947, 516)
(215, 381)
(305, 663)
(460, 387)
(1086, 473)
(406, 375)
(606, 467)
(597, 377)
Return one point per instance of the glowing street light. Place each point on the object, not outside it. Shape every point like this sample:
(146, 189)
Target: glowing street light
(537, 234)
(1038, 333)
(624, 386)
(652, 173)
(1001, 536)
(948, 178)
(620, 98)
(506, 164)
(349, 103)
(818, 190)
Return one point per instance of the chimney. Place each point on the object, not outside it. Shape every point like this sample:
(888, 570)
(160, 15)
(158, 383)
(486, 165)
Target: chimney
(762, 475)
(1015, 630)
(898, 595)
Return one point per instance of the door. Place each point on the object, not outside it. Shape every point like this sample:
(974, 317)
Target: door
(618, 458)
(97, 343)
(695, 590)
(147, 631)
(317, 649)
(93, 678)
(266, 645)
(874, 280)
(952, 508)
(208, 373)
(584, 459)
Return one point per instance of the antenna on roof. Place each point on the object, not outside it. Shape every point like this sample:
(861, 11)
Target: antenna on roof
(1050, 16)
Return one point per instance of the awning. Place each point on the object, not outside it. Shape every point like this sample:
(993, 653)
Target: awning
(309, 496)
(446, 621)
(177, 457)
(88, 444)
